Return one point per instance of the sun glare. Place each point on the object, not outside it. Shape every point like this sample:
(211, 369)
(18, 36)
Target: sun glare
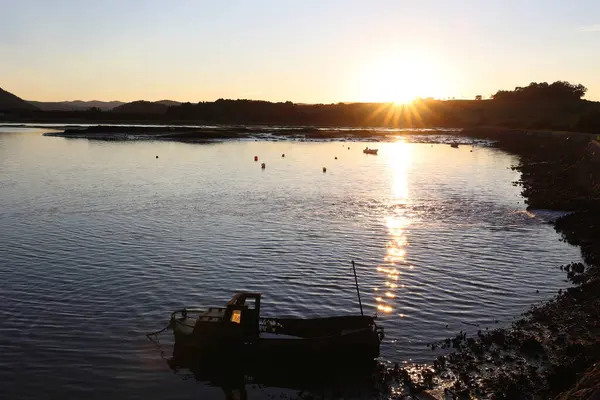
(399, 81)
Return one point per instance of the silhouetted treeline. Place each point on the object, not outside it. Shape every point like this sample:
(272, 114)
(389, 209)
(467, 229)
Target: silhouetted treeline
(556, 106)
(420, 114)
(141, 107)
(543, 92)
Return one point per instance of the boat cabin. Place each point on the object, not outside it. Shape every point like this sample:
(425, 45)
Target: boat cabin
(244, 309)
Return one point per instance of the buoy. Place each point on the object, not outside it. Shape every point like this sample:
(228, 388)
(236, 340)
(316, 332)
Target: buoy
(324, 169)
(283, 155)
(348, 148)
(336, 158)
(263, 166)
(156, 156)
(255, 158)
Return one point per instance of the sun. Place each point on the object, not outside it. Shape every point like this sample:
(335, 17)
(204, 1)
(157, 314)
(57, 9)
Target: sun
(399, 80)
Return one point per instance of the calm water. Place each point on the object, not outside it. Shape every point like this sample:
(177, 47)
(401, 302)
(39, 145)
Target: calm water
(100, 241)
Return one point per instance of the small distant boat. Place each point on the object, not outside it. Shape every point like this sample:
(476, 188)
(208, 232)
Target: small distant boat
(455, 145)
(370, 151)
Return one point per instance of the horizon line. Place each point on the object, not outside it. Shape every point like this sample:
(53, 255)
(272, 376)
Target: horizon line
(266, 101)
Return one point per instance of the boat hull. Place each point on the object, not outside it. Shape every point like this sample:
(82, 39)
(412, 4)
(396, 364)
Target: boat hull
(343, 338)
(359, 346)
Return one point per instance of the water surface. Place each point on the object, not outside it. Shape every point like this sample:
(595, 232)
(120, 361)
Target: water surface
(100, 241)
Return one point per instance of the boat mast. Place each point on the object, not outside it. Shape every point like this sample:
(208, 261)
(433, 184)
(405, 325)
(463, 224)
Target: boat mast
(357, 291)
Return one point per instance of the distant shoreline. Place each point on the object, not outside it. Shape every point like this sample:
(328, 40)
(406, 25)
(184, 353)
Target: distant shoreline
(202, 133)
(227, 132)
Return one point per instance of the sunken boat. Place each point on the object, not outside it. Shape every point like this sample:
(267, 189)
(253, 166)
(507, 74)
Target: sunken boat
(238, 329)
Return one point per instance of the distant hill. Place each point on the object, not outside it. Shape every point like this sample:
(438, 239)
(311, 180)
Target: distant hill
(145, 107)
(9, 101)
(77, 105)
(169, 103)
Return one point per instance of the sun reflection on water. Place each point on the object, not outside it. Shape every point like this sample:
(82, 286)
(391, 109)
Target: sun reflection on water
(397, 222)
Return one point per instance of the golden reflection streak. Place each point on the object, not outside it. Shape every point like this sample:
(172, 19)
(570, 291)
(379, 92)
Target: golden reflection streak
(395, 257)
(385, 309)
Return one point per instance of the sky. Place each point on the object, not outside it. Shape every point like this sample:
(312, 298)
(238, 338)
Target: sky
(305, 51)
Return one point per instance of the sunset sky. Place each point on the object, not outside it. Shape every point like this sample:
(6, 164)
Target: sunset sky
(307, 51)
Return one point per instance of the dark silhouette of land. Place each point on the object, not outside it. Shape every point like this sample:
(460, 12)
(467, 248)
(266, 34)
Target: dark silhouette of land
(76, 105)
(9, 101)
(145, 107)
(556, 106)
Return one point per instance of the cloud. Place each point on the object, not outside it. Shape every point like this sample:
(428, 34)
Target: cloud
(590, 28)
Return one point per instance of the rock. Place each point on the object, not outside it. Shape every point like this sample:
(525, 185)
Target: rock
(531, 347)
(578, 268)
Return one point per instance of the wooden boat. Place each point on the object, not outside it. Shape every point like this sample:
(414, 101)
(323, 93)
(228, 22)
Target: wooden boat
(455, 145)
(239, 329)
(370, 151)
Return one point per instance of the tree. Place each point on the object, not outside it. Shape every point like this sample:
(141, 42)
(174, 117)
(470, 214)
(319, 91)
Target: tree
(543, 92)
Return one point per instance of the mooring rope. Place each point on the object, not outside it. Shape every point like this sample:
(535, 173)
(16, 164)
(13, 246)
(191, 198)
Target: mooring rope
(157, 332)
(154, 338)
